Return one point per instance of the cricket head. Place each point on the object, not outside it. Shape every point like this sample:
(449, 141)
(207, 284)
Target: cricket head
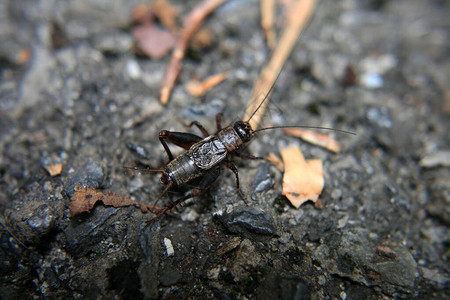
(244, 130)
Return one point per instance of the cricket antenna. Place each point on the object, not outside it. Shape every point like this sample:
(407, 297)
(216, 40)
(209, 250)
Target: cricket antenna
(265, 97)
(310, 127)
(144, 170)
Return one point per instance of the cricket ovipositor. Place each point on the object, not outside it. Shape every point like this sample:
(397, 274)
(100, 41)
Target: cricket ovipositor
(204, 156)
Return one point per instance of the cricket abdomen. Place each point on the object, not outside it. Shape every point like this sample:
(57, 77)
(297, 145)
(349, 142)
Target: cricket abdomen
(182, 169)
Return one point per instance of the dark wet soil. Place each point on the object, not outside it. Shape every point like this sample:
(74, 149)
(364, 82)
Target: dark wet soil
(86, 101)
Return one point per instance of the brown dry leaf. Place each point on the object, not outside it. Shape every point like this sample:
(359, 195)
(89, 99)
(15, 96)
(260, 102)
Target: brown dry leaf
(152, 40)
(197, 88)
(276, 161)
(54, 170)
(302, 180)
(317, 139)
(84, 199)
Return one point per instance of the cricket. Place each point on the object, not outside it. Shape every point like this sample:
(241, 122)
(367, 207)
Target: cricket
(204, 156)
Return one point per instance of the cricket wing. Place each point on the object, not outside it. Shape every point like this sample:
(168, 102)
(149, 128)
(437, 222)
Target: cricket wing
(208, 153)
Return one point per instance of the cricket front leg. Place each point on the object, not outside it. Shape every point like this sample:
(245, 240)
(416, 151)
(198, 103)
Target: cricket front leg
(219, 121)
(233, 168)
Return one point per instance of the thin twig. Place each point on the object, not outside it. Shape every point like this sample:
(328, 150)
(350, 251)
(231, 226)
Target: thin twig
(190, 26)
(12, 235)
(297, 20)
(267, 20)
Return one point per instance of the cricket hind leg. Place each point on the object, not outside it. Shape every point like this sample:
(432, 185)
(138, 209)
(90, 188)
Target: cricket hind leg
(182, 139)
(199, 126)
(205, 182)
(249, 156)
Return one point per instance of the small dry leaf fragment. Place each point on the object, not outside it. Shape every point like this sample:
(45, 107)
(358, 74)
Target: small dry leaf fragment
(85, 198)
(315, 138)
(197, 88)
(302, 180)
(152, 40)
(349, 77)
(229, 246)
(386, 251)
(54, 170)
(23, 56)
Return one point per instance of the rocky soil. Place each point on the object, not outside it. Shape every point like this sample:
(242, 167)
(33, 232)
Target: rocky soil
(86, 101)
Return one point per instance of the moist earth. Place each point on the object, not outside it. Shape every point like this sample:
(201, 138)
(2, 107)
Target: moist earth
(85, 100)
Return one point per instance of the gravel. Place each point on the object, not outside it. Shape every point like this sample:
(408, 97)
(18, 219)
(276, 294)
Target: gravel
(84, 99)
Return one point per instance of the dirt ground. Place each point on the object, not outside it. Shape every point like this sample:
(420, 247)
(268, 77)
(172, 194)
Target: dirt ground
(73, 92)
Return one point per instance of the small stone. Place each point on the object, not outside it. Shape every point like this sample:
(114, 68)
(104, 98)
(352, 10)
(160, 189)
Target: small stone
(169, 247)
(213, 274)
(91, 174)
(262, 181)
(139, 150)
(436, 159)
(42, 218)
(209, 109)
(251, 220)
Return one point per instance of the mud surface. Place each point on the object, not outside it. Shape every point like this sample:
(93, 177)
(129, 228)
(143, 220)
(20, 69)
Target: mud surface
(84, 100)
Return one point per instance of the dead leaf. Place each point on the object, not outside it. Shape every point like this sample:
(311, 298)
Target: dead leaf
(317, 139)
(152, 40)
(197, 88)
(302, 180)
(349, 78)
(54, 170)
(85, 198)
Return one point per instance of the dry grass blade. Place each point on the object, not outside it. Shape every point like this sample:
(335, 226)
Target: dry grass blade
(297, 20)
(267, 20)
(190, 26)
(314, 138)
(198, 88)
